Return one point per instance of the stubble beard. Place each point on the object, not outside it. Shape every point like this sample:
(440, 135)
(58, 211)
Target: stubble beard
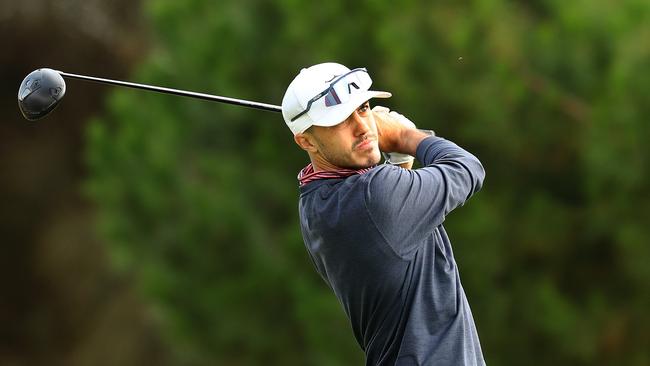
(348, 161)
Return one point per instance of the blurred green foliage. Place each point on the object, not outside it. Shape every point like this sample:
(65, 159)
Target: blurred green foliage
(199, 201)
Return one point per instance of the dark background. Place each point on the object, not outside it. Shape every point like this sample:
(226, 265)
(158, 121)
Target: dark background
(139, 228)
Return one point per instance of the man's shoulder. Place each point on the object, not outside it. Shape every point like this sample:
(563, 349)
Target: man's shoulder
(383, 175)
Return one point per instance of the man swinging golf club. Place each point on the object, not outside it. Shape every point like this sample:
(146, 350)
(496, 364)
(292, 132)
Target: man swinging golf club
(374, 232)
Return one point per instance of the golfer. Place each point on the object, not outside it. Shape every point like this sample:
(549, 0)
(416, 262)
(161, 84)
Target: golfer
(374, 232)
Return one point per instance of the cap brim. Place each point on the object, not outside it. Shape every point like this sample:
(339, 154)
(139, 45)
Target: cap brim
(341, 112)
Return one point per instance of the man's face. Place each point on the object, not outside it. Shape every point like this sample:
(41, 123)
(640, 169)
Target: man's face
(351, 144)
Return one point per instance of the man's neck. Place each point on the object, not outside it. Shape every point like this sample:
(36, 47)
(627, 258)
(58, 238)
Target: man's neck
(322, 165)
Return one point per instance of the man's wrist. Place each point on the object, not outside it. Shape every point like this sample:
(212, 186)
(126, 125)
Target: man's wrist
(410, 139)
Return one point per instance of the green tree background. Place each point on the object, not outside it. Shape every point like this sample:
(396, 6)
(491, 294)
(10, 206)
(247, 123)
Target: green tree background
(198, 201)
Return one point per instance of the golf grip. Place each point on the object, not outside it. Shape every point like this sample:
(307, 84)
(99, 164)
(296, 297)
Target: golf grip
(184, 93)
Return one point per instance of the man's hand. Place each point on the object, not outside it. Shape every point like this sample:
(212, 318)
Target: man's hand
(394, 158)
(396, 132)
(389, 129)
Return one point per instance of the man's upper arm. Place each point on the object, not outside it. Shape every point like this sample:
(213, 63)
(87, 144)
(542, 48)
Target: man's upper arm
(407, 205)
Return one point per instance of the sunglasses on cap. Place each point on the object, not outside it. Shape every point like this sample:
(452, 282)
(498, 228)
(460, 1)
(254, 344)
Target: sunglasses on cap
(340, 89)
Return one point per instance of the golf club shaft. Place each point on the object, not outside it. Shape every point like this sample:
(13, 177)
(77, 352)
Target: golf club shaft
(184, 93)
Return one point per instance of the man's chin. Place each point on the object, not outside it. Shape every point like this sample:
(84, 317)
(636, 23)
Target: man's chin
(369, 161)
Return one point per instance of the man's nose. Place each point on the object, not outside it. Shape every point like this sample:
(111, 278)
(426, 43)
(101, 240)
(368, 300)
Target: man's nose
(360, 124)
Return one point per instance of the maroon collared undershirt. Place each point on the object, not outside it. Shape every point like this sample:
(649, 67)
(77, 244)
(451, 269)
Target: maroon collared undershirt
(307, 174)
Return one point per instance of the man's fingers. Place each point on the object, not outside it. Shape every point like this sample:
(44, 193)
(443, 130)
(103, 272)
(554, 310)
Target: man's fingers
(403, 120)
(396, 116)
(380, 109)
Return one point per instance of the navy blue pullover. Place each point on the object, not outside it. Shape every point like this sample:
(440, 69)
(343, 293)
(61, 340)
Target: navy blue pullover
(377, 240)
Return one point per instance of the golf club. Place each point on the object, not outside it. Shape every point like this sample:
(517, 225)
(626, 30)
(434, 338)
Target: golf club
(42, 90)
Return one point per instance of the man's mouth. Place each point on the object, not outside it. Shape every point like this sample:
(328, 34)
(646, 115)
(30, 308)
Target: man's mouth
(364, 144)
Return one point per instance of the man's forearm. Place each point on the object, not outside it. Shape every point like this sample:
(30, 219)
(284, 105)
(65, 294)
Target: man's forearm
(407, 165)
(409, 140)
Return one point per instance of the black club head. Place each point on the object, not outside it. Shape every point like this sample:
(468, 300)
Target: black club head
(40, 92)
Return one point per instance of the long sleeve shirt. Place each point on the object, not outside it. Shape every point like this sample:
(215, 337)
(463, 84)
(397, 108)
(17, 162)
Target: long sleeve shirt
(377, 240)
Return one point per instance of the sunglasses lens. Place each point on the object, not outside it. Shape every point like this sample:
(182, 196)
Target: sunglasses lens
(332, 98)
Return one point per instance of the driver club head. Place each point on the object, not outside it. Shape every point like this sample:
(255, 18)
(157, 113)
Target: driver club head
(40, 92)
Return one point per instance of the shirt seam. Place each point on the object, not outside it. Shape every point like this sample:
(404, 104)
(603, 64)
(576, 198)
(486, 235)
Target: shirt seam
(385, 240)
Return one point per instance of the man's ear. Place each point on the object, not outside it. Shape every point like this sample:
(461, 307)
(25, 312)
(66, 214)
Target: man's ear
(306, 142)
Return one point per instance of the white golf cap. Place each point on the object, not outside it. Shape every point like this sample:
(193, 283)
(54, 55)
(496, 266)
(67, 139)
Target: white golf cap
(329, 109)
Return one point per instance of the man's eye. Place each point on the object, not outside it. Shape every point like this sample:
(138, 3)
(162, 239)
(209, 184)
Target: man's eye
(363, 108)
